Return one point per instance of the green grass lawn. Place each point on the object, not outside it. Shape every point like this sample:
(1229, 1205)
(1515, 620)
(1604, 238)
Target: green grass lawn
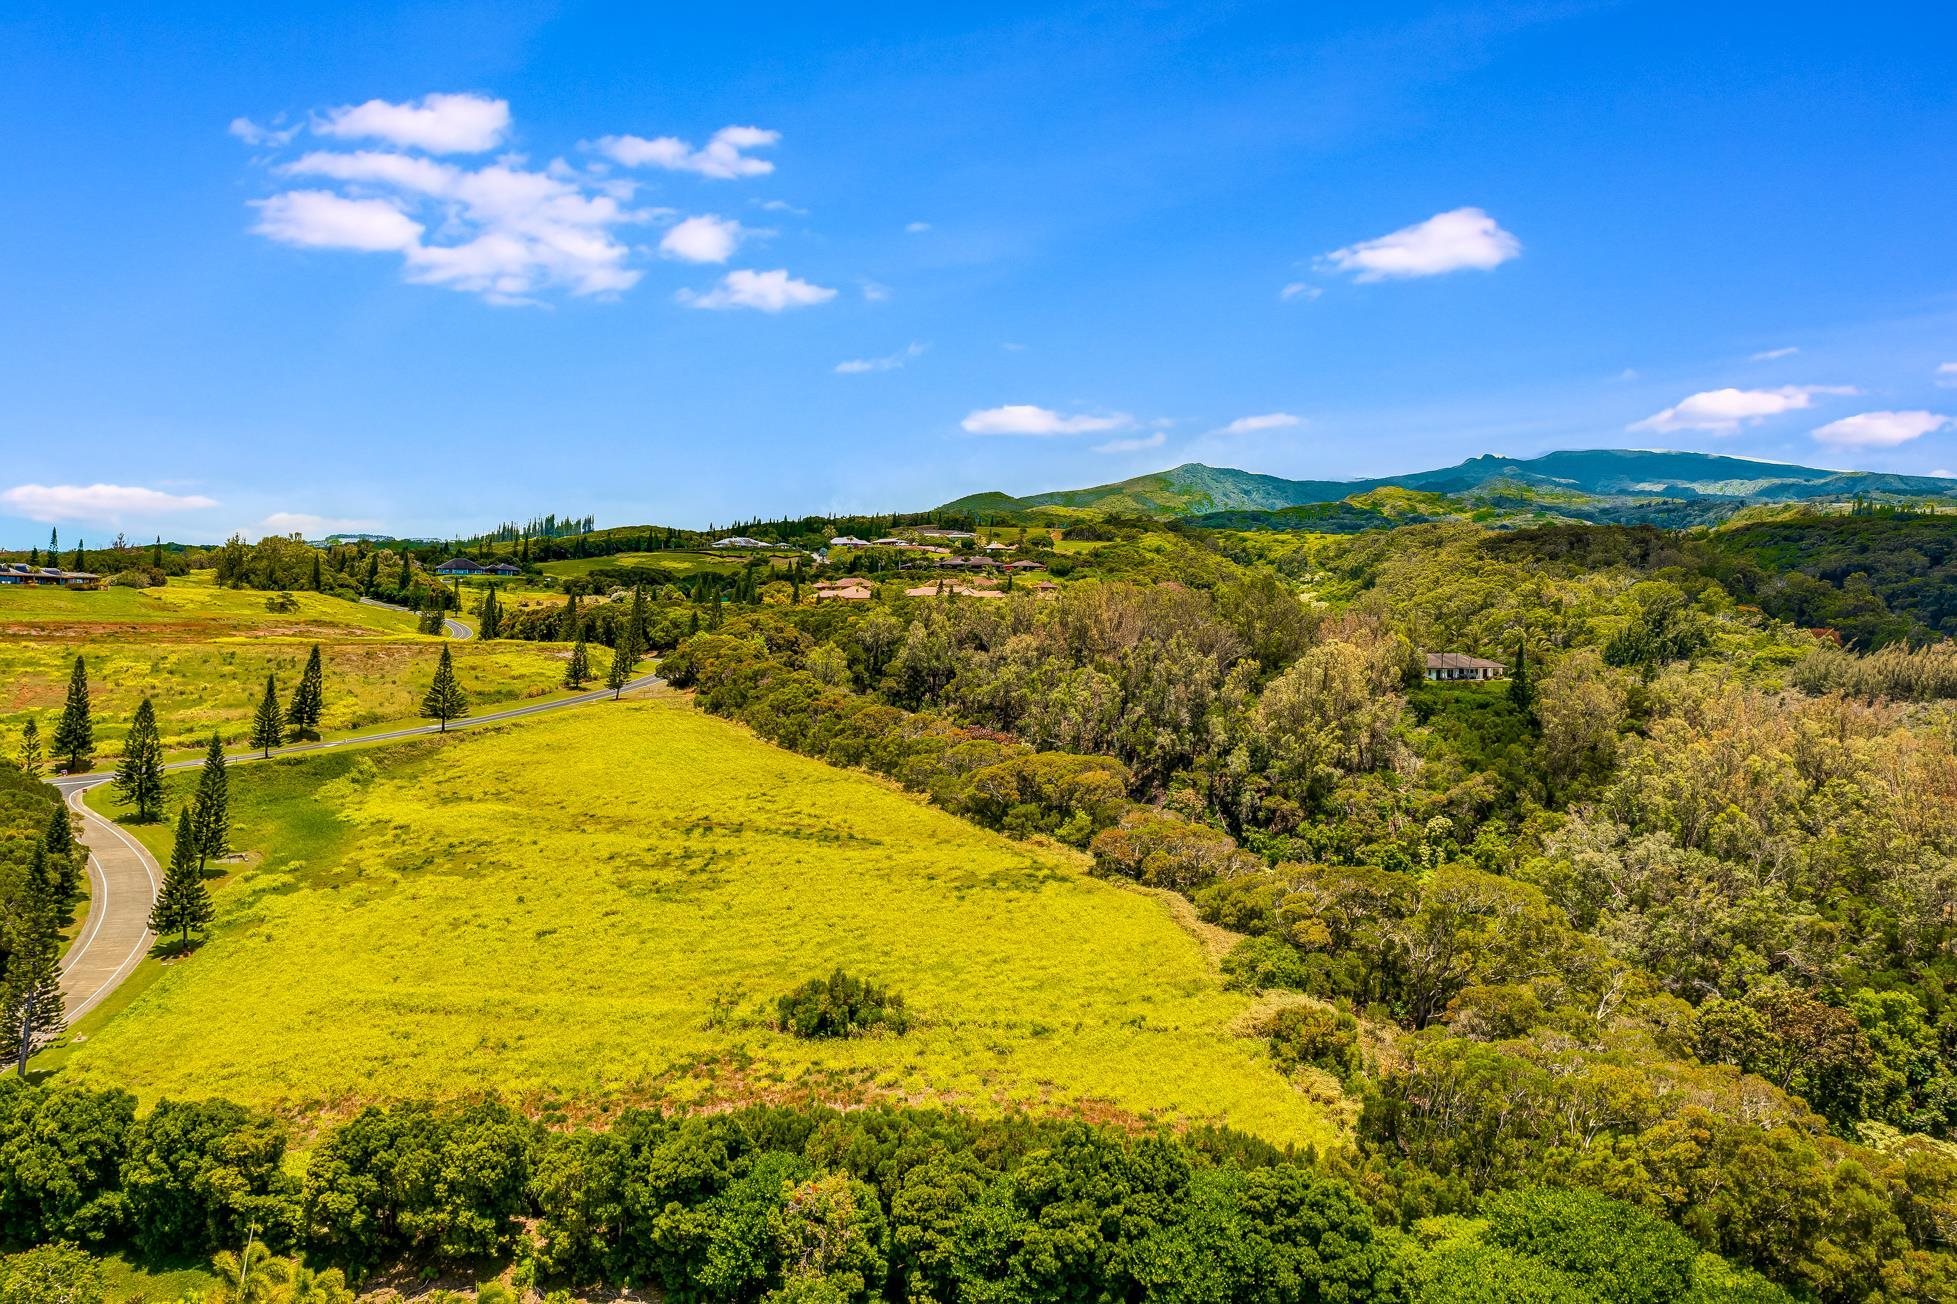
(201, 653)
(680, 563)
(601, 908)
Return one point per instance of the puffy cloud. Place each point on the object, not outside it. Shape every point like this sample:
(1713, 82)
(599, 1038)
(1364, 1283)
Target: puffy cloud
(305, 523)
(1723, 411)
(703, 239)
(1134, 445)
(1253, 425)
(890, 362)
(1769, 355)
(103, 504)
(1445, 242)
(1880, 429)
(764, 291)
(507, 232)
(1303, 291)
(253, 134)
(724, 157)
(1026, 419)
(439, 124)
(320, 219)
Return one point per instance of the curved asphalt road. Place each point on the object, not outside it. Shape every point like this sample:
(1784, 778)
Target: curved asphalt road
(456, 629)
(124, 877)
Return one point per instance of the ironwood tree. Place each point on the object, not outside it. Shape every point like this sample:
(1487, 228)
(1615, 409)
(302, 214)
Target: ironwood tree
(74, 736)
(308, 700)
(267, 726)
(183, 905)
(210, 810)
(445, 699)
(139, 778)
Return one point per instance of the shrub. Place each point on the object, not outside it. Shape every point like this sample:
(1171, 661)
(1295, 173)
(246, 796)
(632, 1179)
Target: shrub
(840, 1006)
(1257, 963)
(51, 1274)
(139, 577)
(1314, 1035)
(283, 603)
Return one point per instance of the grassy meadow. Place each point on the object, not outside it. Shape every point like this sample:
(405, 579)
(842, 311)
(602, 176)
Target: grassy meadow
(202, 653)
(601, 907)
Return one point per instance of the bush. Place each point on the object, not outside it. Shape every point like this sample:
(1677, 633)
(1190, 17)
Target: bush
(283, 603)
(840, 1006)
(1622, 1253)
(1313, 1035)
(1160, 850)
(139, 577)
(51, 1274)
(1258, 963)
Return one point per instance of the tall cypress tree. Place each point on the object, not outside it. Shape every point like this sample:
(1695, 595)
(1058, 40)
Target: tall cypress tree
(445, 699)
(1521, 691)
(30, 1000)
(568, 624)
(210, 812)
(267, 729)
(184, 903)
(492, 615)
(30, 755)
(316, 584)
(625, 655)
(156, 553)
(74, 736)
(308, 700)
(139, 779)
(579, 668)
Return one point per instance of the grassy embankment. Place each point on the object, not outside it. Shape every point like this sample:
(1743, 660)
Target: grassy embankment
(202, 653)
(582, 913)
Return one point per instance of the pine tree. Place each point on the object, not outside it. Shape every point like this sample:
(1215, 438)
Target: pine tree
(579, 669)
(63, 869)
(308, 700)
(373, 572)
(184, 903)
(156, 553)
(30, 757)
(74, 736)
(210, 812)
(625, 655)
(30, 1000)
(407, 574)
(569, 626)
(316, 585)
(267, 729)
(139, 779)
(445, 699)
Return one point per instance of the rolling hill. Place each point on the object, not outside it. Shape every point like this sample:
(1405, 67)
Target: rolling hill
(1612, 482)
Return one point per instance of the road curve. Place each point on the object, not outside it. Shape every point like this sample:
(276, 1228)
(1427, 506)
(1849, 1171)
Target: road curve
(456, 629)
(124, 877)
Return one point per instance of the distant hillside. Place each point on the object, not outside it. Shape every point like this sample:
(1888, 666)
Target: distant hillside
(1603, 484)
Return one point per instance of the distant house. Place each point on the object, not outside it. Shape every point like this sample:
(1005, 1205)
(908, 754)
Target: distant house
(848, 541)
(852, 589)
(1459, 665)
(741, 541)
(1023, 566)
(21, 574)
(995, 546)
(939, 532)
(458, 566)
(502, 568)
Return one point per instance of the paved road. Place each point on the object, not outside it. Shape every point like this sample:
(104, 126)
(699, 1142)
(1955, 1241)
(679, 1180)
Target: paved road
(124, 877)
(456, 629)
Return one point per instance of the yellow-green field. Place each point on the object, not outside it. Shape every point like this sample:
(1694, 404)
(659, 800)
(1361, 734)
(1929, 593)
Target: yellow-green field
(201, 653)
(602, 906)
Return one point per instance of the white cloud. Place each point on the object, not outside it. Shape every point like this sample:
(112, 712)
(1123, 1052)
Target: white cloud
(253, 134)
(103, 504)
(1768, 355)
(1445, 242)
(506, 232)
(890, 362)
(916, 228)
(875, 292)
(1252, 425)
(1723, 411)
(724, 157)
(1947, 375)
(1026, 419)
(765, 291)
(1301, 290)
(320, 219)
(439, 124)
(1134, 445)
(703, 239)
(305, 523)
(1880, 429)
(781, 206)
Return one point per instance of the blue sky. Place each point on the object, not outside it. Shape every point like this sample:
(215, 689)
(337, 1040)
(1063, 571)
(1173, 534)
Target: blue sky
(426, 267)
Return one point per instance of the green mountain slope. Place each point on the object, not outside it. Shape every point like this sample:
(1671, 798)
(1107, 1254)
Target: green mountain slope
(1619, 477)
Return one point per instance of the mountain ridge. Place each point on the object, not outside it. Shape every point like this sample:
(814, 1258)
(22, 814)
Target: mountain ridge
(1627, 475)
